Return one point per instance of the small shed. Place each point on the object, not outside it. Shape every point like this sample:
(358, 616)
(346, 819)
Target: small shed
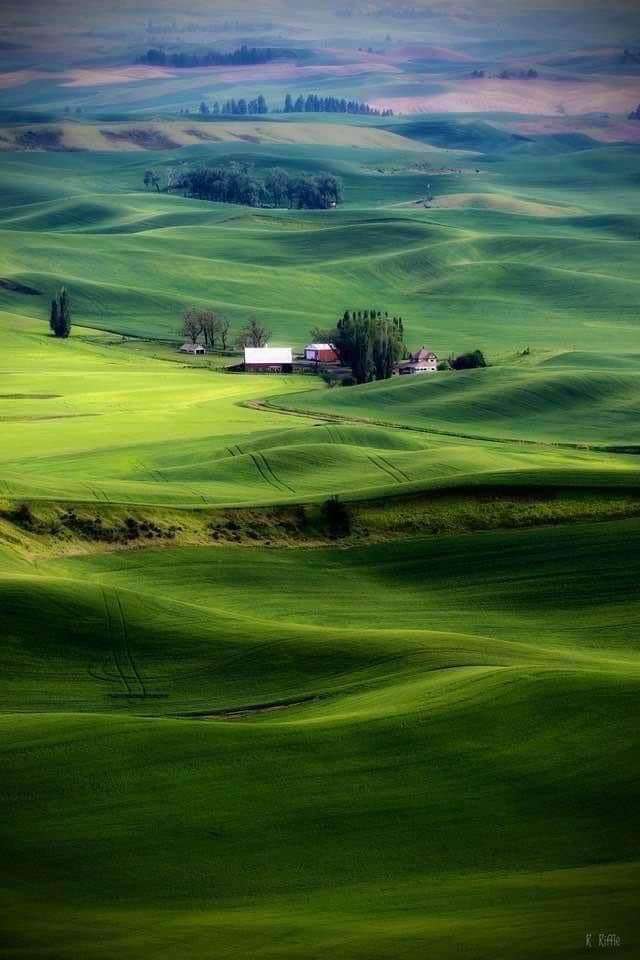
(424, 361)
(321, 353)
(268, 359)
(196, 348)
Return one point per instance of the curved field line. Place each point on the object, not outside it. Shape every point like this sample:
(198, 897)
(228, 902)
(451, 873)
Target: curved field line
(116, 660)
(275, 476)
(261, 470)
(393, 466)
(384, 467)
(127, 648)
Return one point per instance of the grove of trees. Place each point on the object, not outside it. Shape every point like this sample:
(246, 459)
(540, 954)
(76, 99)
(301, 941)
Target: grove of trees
(238, 183)
(208, 326)
(368, 341)
(60, 315)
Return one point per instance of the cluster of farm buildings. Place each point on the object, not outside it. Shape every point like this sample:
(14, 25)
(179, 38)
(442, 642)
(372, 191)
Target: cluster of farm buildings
(316, 356)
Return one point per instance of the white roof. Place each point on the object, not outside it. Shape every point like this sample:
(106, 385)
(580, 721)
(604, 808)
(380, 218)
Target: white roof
(268, 355)
(319, 346)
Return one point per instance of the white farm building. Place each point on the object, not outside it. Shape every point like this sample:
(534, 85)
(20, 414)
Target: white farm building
(268, 359)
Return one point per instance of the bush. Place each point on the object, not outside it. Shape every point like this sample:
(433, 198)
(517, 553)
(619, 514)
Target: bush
(329, 378)
(443, 365)
(468, 361)
(337, 518)
(25, 518)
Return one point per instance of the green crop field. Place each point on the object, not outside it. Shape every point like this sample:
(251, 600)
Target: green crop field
(229, 730)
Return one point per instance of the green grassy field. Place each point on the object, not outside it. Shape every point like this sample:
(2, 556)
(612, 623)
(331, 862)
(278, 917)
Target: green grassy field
(582, 399)
(248, 740)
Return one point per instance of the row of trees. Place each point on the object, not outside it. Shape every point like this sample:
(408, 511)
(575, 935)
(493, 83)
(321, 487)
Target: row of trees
(235, 108)
(529, 74)
(60, 315)
(213, 330)
(238, 183)
(312, 103)
(243, 56)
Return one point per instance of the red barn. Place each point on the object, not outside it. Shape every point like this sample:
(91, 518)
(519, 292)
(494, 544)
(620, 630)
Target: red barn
(321, 353)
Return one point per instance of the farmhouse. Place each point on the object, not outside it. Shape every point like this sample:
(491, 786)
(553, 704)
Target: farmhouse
(268, 359)
(321, 353)
(189, 347)
(424, 361)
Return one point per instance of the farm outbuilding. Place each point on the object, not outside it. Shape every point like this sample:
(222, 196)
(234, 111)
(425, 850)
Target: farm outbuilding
(321, 353)
(268, 359)
(424, 361)
(195, 348)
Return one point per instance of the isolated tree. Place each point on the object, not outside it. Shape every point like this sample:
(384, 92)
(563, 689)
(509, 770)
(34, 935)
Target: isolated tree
(53, 315)
(253, 334)
(152, 179)
(64, 314)
(60, 315)
(224, 330)
(210, 325)
(192, 325)
(337, 518)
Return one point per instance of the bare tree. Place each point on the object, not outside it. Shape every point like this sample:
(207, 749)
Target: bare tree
(192, 325)
(253, 334)
(210, 324)
(225, 327)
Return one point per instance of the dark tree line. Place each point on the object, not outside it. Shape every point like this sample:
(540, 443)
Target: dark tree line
(60, 315)
(529, 74)
(243, 56)
(238, 183)
(235, 108)
(312, 103)
(368, 341)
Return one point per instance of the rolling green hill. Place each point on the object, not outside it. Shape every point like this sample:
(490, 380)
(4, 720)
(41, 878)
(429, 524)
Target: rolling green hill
(570, 398)
(461, 276)
(426, 771)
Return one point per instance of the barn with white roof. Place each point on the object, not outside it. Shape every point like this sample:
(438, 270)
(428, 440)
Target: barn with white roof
(268, 359)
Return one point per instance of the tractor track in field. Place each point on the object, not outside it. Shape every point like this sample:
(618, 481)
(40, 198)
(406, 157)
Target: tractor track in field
(275, 476)
(386, 467)
(116, 658)
(268, 475)
(127, 646)
(126, 667)
(392, 466)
